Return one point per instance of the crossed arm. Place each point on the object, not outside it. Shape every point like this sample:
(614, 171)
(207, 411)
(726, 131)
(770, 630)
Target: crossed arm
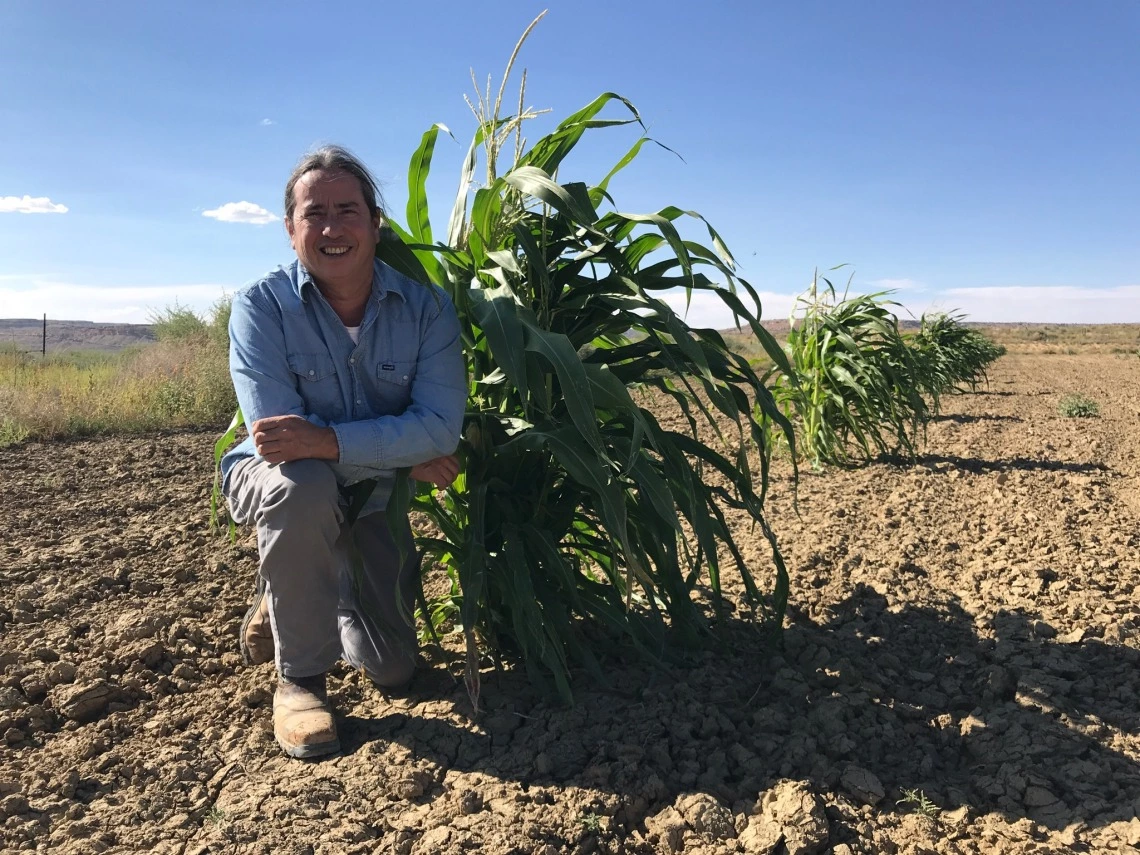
(280, 439)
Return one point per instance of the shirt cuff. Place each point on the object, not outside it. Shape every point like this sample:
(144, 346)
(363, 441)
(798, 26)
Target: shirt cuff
(360, 444)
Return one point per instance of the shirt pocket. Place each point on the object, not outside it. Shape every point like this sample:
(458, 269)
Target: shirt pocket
(317, 384)
(312, 366)
(395, 371)
(392, 389)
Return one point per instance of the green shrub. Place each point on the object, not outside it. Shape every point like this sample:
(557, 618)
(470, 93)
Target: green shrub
(12, 432)
(219, 324)
(181, 323)
(1077, 406)
(177, 323)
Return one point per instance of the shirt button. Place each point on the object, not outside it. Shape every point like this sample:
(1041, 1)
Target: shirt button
(358, 400)
(352, 360)
(311, 372)
(405, 376)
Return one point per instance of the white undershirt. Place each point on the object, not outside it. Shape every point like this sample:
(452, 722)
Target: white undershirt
(354, 334)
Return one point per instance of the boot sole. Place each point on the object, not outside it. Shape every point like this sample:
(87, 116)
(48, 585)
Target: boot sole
(304, 752)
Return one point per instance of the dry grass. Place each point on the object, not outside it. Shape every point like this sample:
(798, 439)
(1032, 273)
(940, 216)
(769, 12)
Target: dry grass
(1065, 338)
(179, 383)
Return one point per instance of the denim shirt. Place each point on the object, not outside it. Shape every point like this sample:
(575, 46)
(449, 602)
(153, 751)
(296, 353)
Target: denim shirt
(395, 399)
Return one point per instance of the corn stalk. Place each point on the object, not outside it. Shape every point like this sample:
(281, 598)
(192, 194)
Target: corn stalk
(855, 388)
(579, 517)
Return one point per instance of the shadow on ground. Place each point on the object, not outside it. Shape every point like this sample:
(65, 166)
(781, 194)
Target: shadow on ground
(979, 465)
(970, 418)
(913, 696)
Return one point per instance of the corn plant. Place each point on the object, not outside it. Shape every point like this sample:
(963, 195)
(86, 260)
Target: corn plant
(952, 357)
(580, 517)
(854, 386)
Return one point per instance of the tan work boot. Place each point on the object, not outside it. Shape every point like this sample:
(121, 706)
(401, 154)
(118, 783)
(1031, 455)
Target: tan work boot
(256, 637)
(302, 718)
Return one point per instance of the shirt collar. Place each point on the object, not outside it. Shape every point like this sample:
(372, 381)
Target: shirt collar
(384, 281)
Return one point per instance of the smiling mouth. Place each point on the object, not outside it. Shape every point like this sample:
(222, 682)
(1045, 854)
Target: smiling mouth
(334, 250)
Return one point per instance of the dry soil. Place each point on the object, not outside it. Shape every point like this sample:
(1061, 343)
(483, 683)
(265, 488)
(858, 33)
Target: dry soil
(958, 671)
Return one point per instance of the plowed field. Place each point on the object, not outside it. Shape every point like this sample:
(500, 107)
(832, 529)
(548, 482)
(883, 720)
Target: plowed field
(960, 670)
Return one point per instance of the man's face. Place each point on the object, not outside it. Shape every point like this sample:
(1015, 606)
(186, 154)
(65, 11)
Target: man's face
(332, 231)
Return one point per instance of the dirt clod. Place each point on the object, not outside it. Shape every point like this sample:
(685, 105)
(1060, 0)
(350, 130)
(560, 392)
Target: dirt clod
(85, 701)
(667, 829)
(788, 813)
(706, 816)
(862, 785)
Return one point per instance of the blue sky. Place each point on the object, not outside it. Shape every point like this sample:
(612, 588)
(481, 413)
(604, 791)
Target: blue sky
(976, 156)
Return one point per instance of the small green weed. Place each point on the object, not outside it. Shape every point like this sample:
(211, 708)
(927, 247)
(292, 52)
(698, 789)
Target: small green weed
(917, 801)
(51, 482)
(12, 433)
(1078, 407)
(590, 822)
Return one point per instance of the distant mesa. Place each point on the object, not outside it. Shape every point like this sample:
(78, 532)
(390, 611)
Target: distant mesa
(26, 334)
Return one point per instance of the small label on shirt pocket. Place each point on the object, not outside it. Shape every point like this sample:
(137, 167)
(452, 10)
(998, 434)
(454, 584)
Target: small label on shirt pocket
(311, 366)
(395, 371)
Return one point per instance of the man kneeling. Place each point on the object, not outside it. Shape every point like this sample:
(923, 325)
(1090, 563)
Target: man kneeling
(346, 371)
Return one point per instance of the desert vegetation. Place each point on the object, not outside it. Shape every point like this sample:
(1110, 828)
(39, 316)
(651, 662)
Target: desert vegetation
(180, 381)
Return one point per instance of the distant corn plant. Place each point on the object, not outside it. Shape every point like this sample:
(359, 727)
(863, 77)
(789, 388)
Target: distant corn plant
(579, 514)
(855, 387)
(951, 356)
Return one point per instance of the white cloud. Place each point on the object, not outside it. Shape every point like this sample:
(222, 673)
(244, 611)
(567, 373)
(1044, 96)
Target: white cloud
(265, 123)
(1043, 304)
(31, 297)
(242, 212)
(707, 310)
(30, 205)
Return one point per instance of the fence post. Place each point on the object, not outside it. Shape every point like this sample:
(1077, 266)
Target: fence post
(43, 345)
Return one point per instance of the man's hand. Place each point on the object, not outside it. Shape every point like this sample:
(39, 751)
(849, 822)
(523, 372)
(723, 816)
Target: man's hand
(281, 439)
(441, 471)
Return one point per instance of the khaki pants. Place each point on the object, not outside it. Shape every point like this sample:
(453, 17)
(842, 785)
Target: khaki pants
(318, 610)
